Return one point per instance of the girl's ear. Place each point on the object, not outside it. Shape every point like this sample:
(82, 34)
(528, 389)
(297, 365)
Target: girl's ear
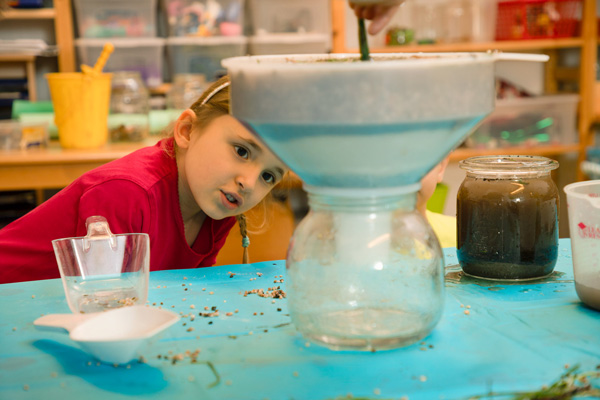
(182, 132)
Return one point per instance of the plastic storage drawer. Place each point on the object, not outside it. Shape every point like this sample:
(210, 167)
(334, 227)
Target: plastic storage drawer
(538, 19)
(301, 16)
(144, 55)
(529, 121)
(197, 55)
(288, 43)
(205, 17)
(113, 18)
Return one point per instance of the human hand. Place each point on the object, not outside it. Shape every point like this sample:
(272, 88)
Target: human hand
(380, 12)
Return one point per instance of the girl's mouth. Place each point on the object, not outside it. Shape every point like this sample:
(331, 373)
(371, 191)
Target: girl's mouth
(231, 198)
(230, 201)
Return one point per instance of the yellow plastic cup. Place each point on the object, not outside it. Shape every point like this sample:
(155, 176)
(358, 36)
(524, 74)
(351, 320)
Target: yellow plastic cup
(81, 104)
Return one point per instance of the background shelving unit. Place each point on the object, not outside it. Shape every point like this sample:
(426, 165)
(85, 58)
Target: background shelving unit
(29, 61)
(63, 30)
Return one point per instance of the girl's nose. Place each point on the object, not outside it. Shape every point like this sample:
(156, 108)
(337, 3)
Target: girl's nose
(247, 180)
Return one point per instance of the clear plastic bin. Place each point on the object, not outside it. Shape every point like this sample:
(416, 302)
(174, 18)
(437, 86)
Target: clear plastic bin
(113, 18)
(205, 17)
(301, 16)
(538, 19)
(144, 55)
(198, 55)
(289, 43)
(529, 121)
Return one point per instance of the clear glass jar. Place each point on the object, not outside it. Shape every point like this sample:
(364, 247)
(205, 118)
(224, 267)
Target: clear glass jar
(129, 108)
(186, 89)
(429, 21)
(507, 217)
(364, 270)
(458, 21)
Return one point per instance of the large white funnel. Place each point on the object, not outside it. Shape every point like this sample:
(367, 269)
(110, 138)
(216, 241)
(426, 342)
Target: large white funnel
(339, 122)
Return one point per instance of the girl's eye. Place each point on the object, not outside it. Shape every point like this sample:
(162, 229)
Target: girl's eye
(242, 152)
(268, 177)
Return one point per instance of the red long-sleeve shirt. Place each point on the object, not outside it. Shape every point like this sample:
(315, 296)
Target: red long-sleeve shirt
(136, 194)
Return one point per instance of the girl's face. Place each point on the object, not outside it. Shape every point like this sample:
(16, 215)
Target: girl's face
(227, 170)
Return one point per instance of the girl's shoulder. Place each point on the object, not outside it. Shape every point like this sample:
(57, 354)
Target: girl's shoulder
(145, 167)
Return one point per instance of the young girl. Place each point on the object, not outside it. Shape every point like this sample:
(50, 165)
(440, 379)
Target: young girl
(185, 193)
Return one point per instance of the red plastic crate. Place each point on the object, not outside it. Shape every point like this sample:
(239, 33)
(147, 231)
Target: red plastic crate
(538, 19)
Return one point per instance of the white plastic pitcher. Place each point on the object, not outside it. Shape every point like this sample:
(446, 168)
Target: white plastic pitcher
(583, 203)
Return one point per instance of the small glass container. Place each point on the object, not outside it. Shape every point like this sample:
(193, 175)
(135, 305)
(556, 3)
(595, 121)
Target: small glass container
(364, 270)
(507, 217)
(458, 21)
(129, 119)
(429, 21)
(186, 89)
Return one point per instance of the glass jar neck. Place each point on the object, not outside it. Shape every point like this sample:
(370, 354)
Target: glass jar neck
(354, 200)
(508, 175)
(507, 167)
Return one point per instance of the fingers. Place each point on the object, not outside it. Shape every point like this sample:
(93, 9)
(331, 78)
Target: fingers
(383, 15)
(365, 12)
(379, 14)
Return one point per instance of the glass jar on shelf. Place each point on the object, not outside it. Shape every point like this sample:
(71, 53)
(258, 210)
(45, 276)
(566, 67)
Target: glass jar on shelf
(458, 21)
(186, 89)
(128, 120)
(429, 17)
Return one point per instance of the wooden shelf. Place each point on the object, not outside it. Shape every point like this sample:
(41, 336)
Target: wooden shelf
(29, 61)
(546, 151)
(54, 167)
(38, 13)
(508, 45)
(55, 154)
(60, 14)
(17, 57)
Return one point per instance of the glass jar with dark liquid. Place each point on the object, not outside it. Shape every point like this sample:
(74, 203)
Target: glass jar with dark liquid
(507, 217)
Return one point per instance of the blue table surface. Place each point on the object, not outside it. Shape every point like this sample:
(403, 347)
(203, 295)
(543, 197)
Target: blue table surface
(515, 337)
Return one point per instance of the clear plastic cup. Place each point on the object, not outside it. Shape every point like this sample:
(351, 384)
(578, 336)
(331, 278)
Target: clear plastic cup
(103, 271)
(583, 202)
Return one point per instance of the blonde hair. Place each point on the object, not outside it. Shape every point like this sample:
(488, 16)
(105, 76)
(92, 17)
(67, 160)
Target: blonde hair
(214, 103)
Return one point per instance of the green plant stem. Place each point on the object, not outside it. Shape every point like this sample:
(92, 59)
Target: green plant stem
(571, 384)
(362, 40)
(217, 376)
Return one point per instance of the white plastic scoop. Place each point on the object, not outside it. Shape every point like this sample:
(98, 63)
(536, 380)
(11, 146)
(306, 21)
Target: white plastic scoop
(111, 336)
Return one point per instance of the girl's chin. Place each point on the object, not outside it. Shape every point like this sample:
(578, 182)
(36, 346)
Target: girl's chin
(220, 213)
